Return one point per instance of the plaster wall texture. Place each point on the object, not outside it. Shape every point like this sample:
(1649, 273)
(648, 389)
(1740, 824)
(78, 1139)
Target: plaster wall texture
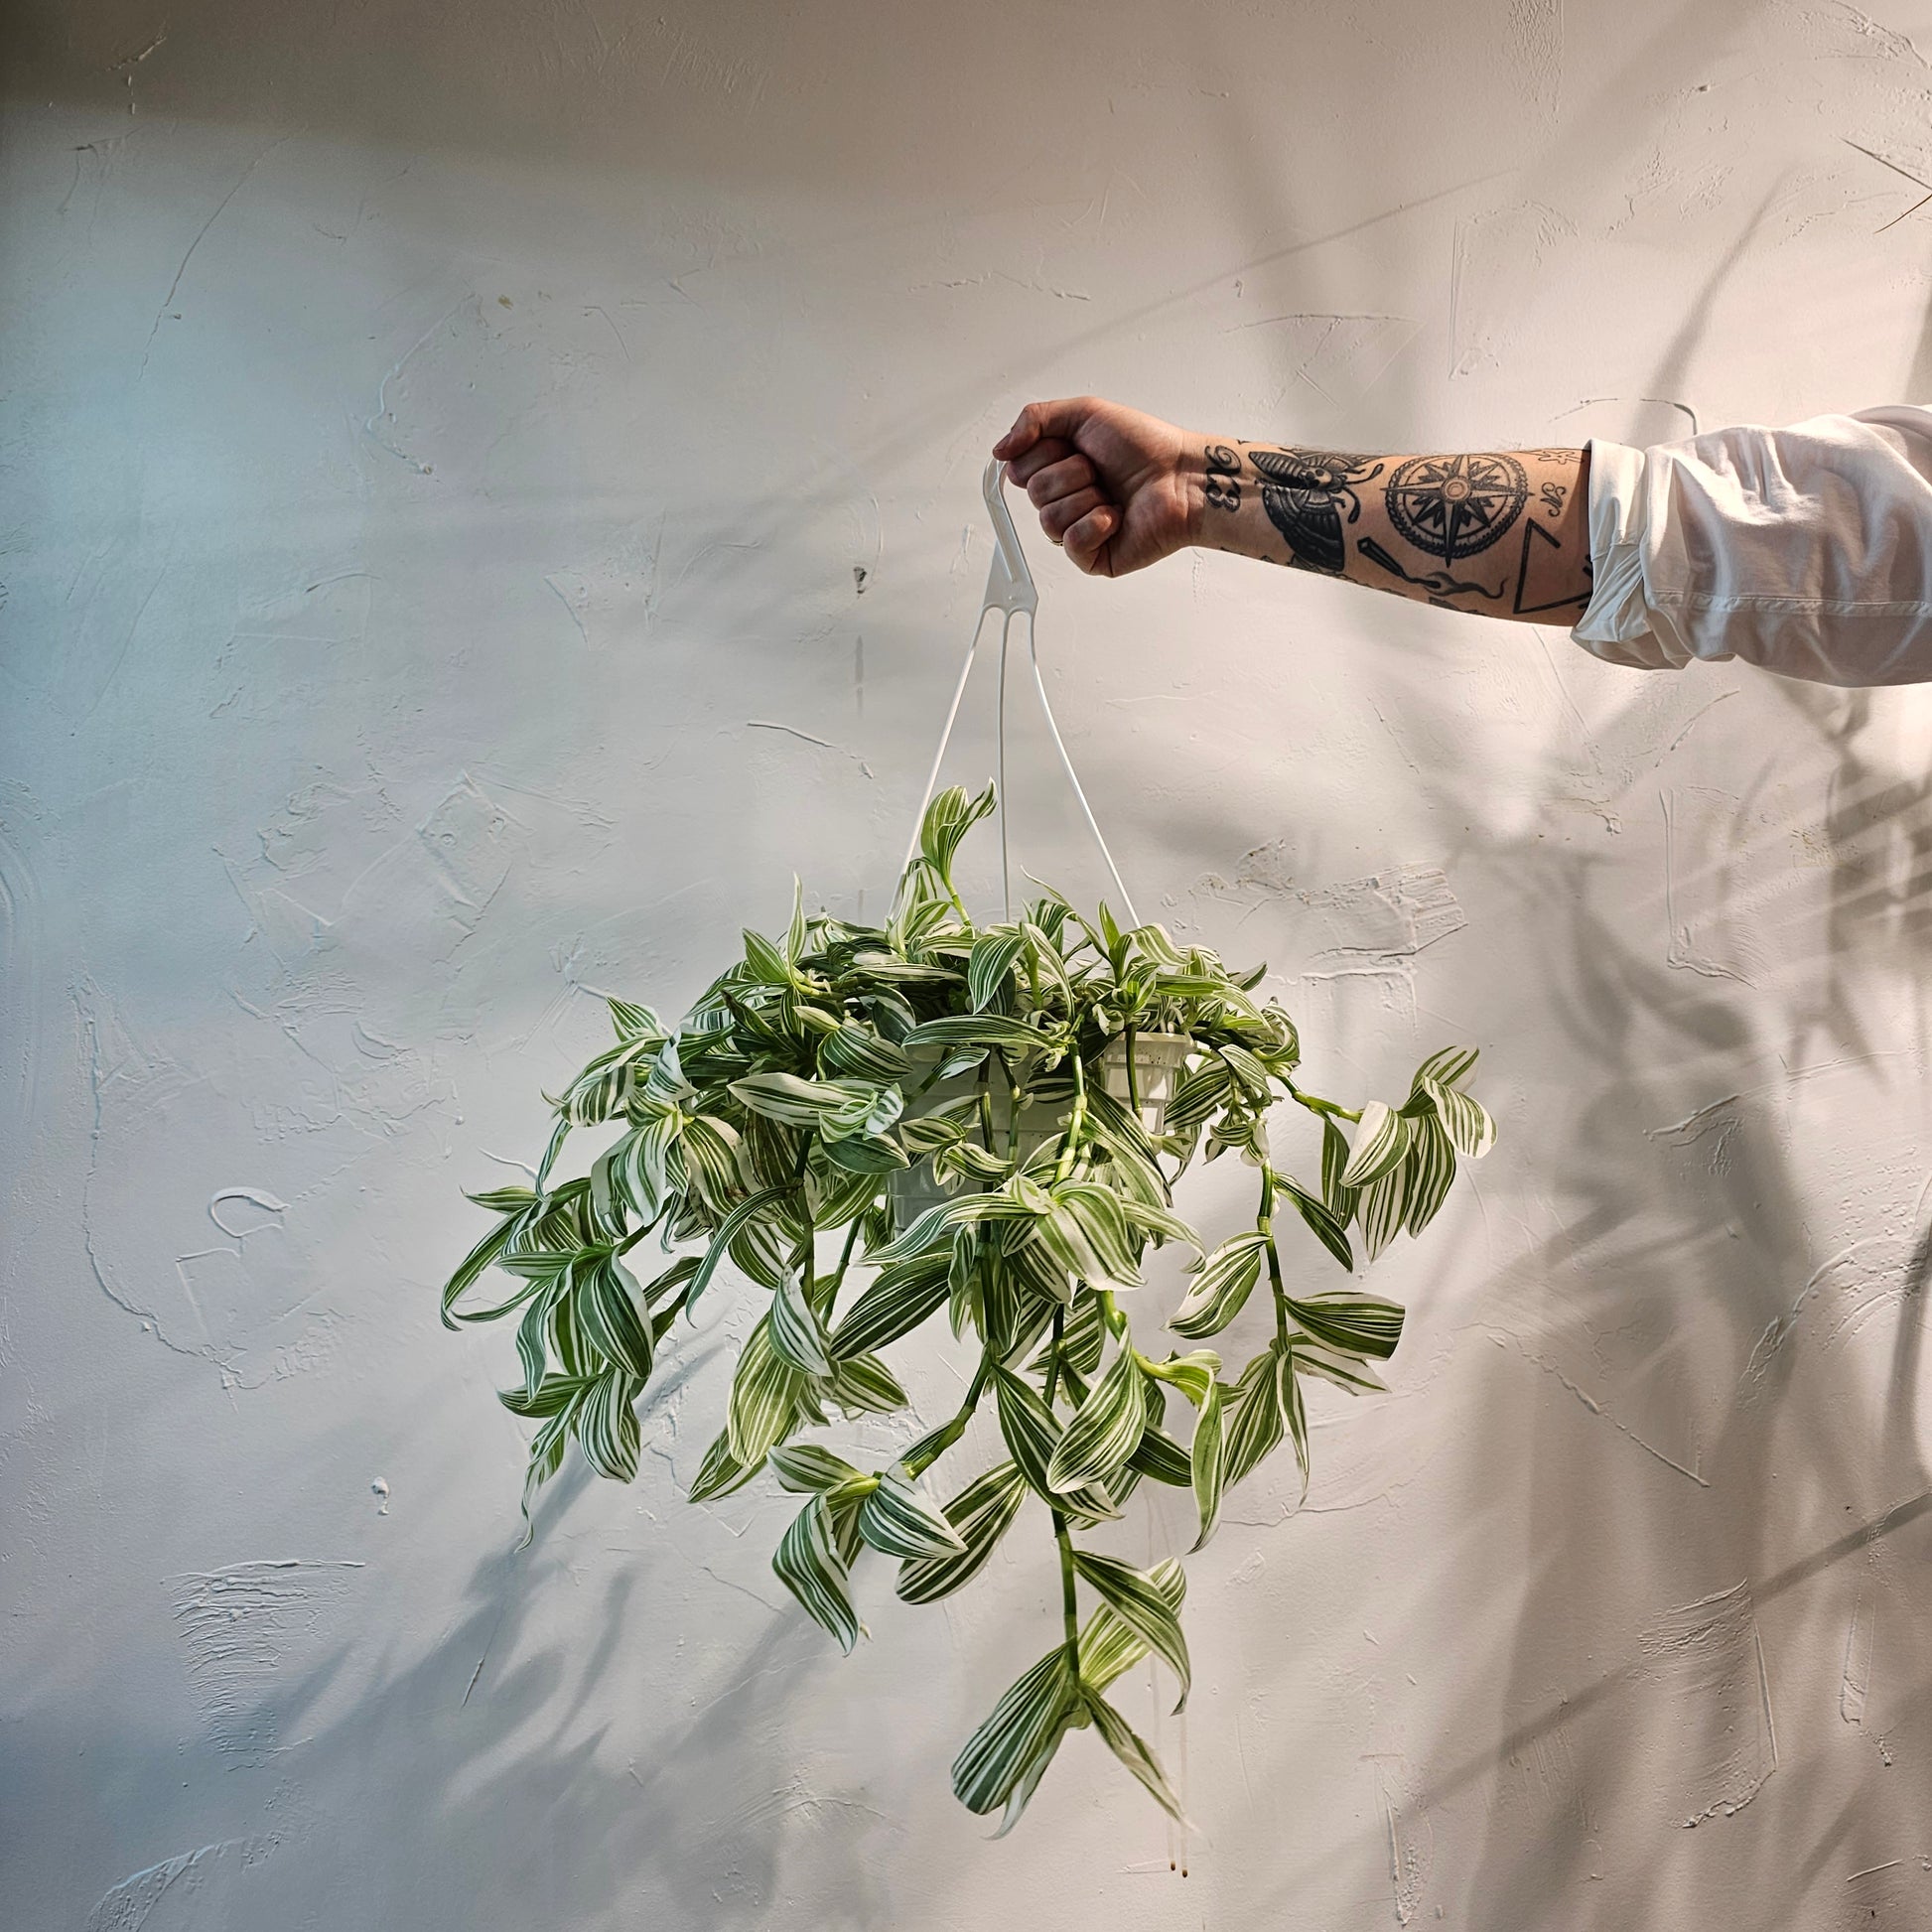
(490, 493)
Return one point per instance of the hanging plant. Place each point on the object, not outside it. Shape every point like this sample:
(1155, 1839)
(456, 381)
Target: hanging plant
(988, 1121)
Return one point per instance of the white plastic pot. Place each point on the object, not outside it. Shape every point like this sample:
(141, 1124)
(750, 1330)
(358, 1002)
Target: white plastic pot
(1159, 1062)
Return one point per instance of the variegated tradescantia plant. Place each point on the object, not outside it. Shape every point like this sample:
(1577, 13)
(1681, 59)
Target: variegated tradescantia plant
(960, 1112)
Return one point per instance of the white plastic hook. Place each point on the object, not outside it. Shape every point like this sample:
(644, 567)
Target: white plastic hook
(1009, 583)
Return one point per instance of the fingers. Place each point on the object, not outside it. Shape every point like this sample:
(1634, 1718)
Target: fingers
(1059, 518)
(1043, 455)
(1058, 418)
(1086, 540)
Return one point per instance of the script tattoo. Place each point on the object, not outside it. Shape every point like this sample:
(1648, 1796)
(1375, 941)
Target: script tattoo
(1305, 493)
(1553, 495)
(1224, 491)
(1452, 506)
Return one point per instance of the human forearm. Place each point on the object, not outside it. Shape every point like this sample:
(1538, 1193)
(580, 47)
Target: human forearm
(1501, 533)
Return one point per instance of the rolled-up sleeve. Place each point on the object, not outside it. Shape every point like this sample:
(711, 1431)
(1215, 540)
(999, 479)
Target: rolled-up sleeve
(1805, 550)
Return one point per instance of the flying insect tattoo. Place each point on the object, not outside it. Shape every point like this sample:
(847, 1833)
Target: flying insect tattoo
(1305, 493)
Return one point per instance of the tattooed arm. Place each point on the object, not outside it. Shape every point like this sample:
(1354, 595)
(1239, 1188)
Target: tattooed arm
(1502, 533)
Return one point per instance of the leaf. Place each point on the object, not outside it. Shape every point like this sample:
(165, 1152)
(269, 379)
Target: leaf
(947, 820)
(1256, 1423)
(1023, 1722)
(606, 1425)
(1207, 1466)
(553, 1393)
(1159, 1458)
(1351, 1324)
(1104, 1430)
(899, 1522)
(1137, 1600)
(471, 1269)
(612, 1309)
(810, 1567)
(1381, 1140)
(1340, 1200)
(739, 1219)
(763, 1393)
(768, 964)
(868, 1156)
(633, 1022)
(1028, 1782)
(1379, 1209)
(1192, 1374)
(1030, 1429)
(720, 1472)
(1108, 1648)
(1221, 1283)
(810, 1469)
(987, 970)
(709, 1148)
(1288, 1395)
(978, 1029)
(1348, 1372)
(896, 1301)
(1198, 1093)
(787, 1099)
(1127, 1745)
(863, 1385)
(1104, 1227)
(1329, 1231)
(797, 1335)
(1472, 1132)
(1451, 1066)
(860, 1054)
(980, 1513)
(1431, 1169)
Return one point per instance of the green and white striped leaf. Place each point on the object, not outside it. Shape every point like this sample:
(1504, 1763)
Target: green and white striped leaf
(900, 1522)
(992, 960)
(1192, 1374)
(1470, 1130)
(1381, 1140)
(1379, 1208)
(709, 1148)
(796, 1331)
(892, 1304)
(809, 1564)
(728, 1229)
(611, 1311)
(862, 1385)
(1432, 1168)
(1452, 1066)
(1104, 1431)
(979, 1515)
(1030, 1429)
(857, 1053)
(607, 1426)
(1348, 1372)
(947, 820)
(764, 1392)
(1137, 1600)
(1255, 1421)
(1351, 1324)
(1022, 1724)
(1108, 1648)
(768, 964)
(1198, 1093)
(472, 1270)
(720, 1472)
(787, 1099)
(635, 1021)
(812, 1469)
(553, 1394)
(1221, 1284)
(977, 1030)
(1207, 1463)
(1103, 1227)
(1323, 1225)
(1127, 1745)
(1340, 1200)
(1287, 1386)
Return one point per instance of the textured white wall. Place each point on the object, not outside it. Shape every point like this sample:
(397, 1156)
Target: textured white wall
(439, 446)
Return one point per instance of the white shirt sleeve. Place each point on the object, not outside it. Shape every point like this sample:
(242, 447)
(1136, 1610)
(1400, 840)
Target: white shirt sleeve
(1806, 551)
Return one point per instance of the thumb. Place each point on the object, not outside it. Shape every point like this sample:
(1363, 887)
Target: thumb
(1059, 418)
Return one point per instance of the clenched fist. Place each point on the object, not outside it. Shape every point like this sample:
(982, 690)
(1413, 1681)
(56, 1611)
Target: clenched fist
(1116, 489)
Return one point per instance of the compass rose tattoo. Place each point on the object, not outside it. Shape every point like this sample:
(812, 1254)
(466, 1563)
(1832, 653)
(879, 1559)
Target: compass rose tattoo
(1305, 493)
(1452, 507)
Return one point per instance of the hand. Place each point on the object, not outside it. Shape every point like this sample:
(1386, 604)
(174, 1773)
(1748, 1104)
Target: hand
(1111, 484)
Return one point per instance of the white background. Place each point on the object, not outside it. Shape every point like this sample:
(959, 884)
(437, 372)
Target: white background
(441, 446)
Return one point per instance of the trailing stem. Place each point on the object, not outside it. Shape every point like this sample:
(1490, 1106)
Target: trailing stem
(1265, 1221)
(1069, 1604)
